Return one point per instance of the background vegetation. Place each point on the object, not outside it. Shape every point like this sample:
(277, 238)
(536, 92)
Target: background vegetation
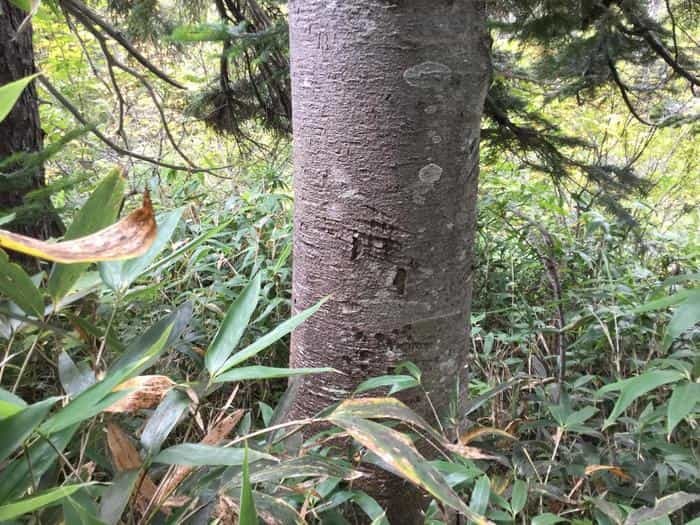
(610, 439)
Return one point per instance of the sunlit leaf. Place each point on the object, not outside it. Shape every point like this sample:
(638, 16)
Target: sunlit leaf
(10, 404)
(130, 237)
(37, 501)
(10, 93)
(518, 497)
(480, 495)
(139, 355)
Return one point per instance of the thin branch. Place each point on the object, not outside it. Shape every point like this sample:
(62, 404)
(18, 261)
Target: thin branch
(116, 147)
(83, 13)
(623, 91)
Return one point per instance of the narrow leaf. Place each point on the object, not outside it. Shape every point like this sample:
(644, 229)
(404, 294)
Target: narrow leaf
(17, 286)
(119, 275)
(233, 326)
(18, 427)
(271, 337)
(635, 387)
(266, 372)
(682, 403)
(163, 420)
(192, 454)
(37, 501)
(130, 237)
(247, 514)
(10, 93)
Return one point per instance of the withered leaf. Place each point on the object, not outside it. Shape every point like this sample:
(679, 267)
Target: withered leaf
(146, 392)
(128, 238)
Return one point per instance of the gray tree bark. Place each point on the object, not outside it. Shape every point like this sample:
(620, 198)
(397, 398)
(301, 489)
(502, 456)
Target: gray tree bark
(21, 129)
(387, 102)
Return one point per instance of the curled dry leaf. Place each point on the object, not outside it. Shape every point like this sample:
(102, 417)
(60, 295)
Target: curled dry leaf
(617, 471)
(128, 238)
(147, 392)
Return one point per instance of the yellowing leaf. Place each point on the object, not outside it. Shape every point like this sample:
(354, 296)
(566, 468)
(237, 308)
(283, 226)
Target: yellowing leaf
(128, 238)
(470, 436)
(147, 392)
(617, 471)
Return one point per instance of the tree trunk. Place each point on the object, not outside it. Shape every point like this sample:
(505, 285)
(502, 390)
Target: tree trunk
(21, 129)
(387, 98)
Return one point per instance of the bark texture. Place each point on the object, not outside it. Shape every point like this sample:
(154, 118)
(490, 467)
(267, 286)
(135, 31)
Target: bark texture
(387, 99)
(21, 129)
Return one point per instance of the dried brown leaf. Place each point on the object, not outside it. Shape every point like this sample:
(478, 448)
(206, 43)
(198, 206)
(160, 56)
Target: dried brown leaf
(130, 237)
(147, 392)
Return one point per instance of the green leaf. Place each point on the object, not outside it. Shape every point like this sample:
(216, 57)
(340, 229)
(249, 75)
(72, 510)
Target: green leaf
(580, 416)
(663, 303)
(139, 355)
(685, 317)
(37, 501)
(664, 506)
(119, 275)
(98, 212)
(26, 5)
(233, 326)
(383, 408)
(403, 460)
(682, 403)
(635, 387)
(548, 519)
(10, 404)
(76, 513)
(480, 495)
(17, 286)
(26, 470)
(247, 514)
(205, 32)
(163, 420)
(271, 337)
(10, 93)
(18, 427)
(396, 382)
(198, 455)
(518, 497)
(267, 372)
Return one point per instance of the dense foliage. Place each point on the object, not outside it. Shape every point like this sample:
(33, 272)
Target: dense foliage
(150, 390)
